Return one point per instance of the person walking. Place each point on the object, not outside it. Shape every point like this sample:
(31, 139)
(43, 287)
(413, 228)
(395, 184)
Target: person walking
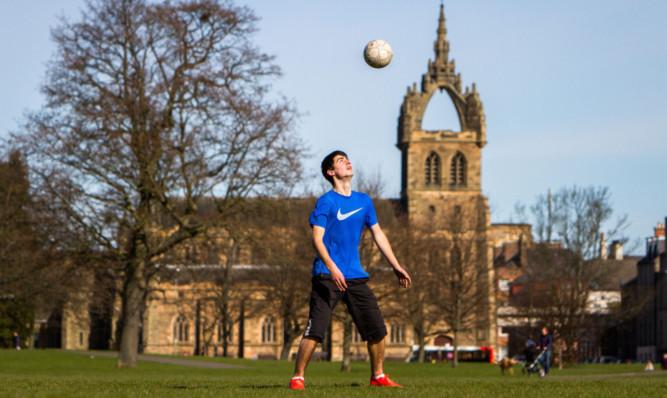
(17, 340)
(545, 342)
(337, 274)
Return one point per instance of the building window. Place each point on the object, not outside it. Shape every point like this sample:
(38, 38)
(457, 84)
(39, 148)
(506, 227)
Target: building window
(397, 334)
(457, 173)
(268, 330)
(181, 329)
(432, 169)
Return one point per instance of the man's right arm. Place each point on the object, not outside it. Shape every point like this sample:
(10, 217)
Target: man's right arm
(337, 277)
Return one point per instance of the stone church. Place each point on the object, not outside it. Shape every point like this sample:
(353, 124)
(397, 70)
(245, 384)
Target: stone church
(441, 178)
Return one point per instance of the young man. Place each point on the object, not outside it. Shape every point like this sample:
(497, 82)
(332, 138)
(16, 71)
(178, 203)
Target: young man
(338, 221)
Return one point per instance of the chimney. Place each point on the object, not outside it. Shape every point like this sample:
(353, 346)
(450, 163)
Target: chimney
(659, 230)
(603, 247)
(616, 250)
(523, 258)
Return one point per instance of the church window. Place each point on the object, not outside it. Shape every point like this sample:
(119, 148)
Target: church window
(432, 169)
(457, 175)
(181, 329)
(268, 330)
(397, 334)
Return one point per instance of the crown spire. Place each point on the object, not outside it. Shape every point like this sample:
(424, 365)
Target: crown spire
(441, 45)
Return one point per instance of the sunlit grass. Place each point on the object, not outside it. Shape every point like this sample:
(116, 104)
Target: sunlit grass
(60, 373)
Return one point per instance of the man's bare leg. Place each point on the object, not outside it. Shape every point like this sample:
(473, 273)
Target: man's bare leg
(306, 349)
(376, 352)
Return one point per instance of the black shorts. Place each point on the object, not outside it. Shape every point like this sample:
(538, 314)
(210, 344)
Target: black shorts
(358, 298)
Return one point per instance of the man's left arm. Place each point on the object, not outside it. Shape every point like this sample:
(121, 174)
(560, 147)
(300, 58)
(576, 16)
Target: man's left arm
(385, 248)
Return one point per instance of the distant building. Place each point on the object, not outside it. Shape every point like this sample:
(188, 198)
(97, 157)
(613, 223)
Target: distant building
(644, 335)
(520, 294)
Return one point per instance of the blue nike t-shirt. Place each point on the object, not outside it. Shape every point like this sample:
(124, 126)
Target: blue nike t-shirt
(343, 219)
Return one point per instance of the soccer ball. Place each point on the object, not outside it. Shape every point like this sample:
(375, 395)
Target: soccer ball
(378, 54)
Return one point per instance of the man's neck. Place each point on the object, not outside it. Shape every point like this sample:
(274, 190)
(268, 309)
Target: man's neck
(343, 187)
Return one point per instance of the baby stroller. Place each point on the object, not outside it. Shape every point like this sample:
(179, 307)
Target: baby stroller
(532, 364)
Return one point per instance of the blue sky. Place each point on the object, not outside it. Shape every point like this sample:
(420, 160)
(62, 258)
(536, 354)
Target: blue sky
(574, 91)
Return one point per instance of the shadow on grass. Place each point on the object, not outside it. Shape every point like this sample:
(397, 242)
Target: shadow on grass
(267, 386)
(262, 386)
(349, 385)
(182, 387)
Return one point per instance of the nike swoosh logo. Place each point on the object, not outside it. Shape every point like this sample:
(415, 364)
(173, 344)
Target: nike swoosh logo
(341, 216)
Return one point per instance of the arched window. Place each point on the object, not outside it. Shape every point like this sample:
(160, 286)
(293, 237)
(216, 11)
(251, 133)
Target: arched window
(457, 172)
(397, 334)
(268, 330)
(432, 169)
(181, 329)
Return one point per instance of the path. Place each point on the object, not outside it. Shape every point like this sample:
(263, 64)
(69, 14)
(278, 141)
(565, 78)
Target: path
(172, 361)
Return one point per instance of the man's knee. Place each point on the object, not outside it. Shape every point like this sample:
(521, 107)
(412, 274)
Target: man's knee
(375, 340)
(310, 340)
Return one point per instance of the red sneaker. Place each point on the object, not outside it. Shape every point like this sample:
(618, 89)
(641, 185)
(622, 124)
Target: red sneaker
(296, 384)
(384, 381)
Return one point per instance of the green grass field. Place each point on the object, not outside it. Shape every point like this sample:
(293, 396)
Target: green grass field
(56, 373)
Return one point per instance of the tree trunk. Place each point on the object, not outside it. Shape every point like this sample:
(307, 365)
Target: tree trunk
(241, 352)
(133, 301)
(457, 325)
(198, 329)
(347, 344)
(225, 335)
(422, 345)
(455, 359)
(289, 335)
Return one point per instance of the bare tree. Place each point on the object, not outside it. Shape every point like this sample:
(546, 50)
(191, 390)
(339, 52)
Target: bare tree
(281, 239)
(578, 217)
(150, 108)
(559, 280)
(226, 299)
(459, 267)
(414, 305)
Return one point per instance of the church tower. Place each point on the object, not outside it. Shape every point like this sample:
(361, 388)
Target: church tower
(441, 182)
(442, 167)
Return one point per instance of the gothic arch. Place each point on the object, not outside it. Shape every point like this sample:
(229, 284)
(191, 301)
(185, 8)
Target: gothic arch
(268, 330)
(457, 99)
(432, 167)
(441, 114)
(458, 170)
(181, 329)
